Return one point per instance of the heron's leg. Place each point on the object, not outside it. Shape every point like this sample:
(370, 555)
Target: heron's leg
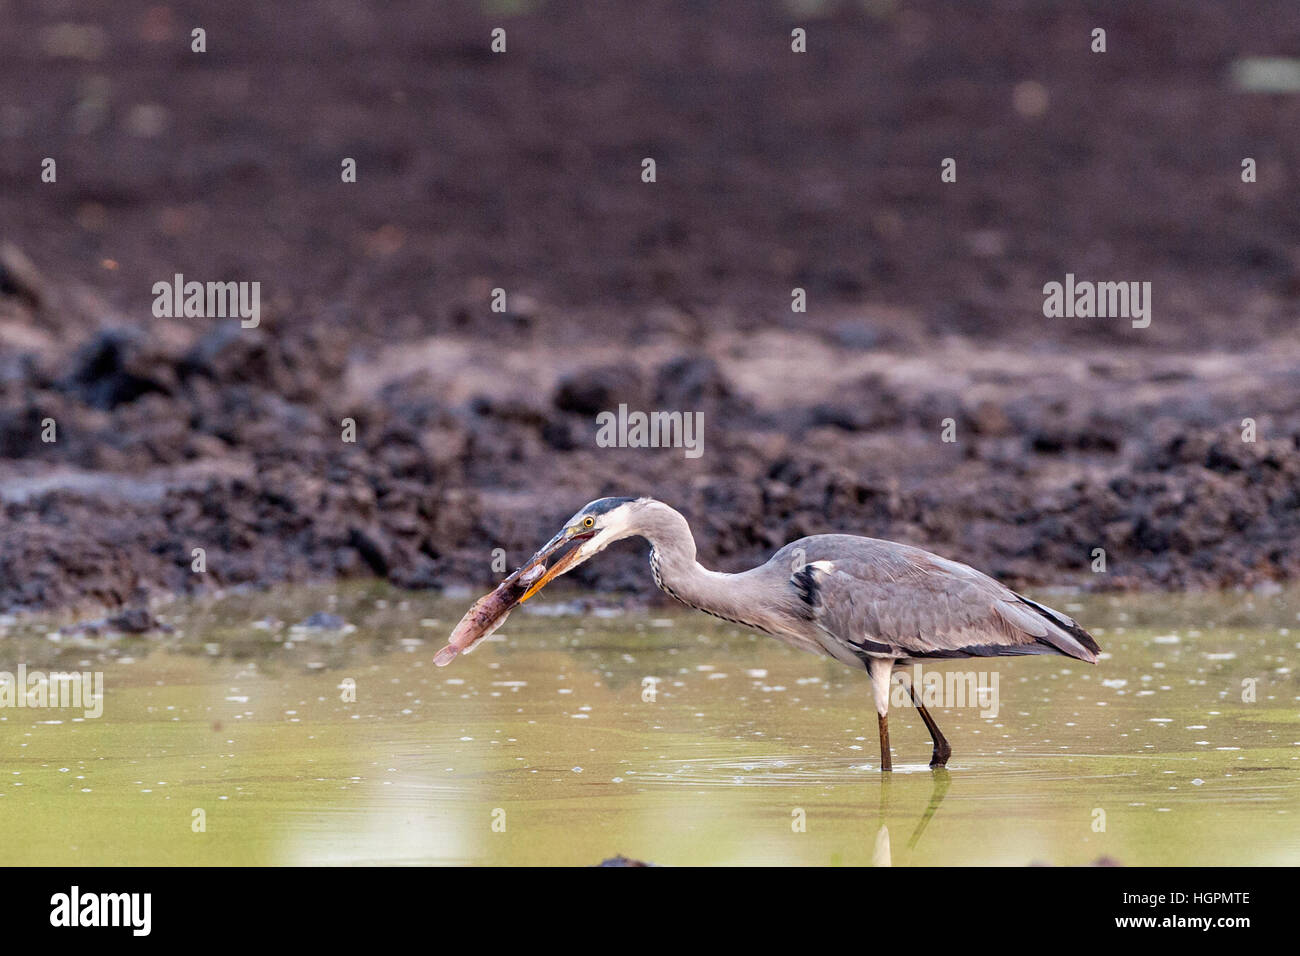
(885, 762)
(880, 669)
(941, 749)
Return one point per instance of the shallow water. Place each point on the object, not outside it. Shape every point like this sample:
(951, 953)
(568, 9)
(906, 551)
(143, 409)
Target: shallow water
(544, 746)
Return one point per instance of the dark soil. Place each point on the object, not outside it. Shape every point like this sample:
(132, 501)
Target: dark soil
(476, 430)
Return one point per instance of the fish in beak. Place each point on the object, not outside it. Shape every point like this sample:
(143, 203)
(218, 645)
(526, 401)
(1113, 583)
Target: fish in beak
(490, 611)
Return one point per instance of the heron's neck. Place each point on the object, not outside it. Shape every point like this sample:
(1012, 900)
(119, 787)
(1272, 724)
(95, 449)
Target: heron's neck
(677, 573)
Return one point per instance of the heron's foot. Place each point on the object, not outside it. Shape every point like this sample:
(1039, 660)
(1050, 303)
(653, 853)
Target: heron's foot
(941, 754)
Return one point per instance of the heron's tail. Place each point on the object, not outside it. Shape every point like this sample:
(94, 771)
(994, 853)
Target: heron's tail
(1064, 634)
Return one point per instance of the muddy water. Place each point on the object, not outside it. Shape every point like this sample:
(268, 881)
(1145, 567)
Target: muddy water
(545, 745)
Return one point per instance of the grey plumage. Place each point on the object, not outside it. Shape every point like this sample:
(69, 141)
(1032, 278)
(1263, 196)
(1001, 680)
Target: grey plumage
(880, 598)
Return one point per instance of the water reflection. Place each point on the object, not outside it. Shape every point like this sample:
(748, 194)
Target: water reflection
(941, 779)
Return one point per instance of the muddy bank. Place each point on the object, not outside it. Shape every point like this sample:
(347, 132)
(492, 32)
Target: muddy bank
(237, 443)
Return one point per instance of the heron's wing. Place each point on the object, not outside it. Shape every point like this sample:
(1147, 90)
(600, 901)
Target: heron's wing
(879, 598)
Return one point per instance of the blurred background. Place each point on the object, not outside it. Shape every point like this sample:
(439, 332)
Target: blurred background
(521, 171)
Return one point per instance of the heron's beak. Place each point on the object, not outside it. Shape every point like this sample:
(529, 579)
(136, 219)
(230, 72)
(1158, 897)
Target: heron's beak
(570, 560)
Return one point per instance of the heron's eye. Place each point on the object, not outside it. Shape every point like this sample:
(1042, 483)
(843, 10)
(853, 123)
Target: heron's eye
(589, 522)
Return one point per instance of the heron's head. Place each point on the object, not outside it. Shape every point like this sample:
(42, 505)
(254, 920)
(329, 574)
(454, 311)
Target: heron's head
(594, 528)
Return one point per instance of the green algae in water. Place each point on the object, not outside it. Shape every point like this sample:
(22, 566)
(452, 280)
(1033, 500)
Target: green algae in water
(666, 736)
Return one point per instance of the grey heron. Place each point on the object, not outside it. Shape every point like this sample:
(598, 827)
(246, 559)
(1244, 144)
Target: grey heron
(871, 604)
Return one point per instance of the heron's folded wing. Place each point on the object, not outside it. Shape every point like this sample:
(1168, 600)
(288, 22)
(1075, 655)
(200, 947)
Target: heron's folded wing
(904, 602)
